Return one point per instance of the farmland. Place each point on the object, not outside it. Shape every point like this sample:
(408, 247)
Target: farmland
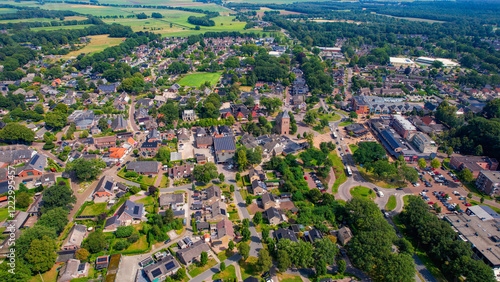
(196, 79)
(97, 43)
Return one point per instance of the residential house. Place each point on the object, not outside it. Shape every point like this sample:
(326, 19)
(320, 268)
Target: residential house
(75, 237)
(254, 174)
(189, 255)
(35, 166)
(150, 149)
(73, 269)
(274, 216)
(225, 148)
(225, 233)
(203, 141)
(258, 187)
(270, 200)
(154, 136)
(119, 124)
(163, 268)
(15, 156)
(169, 135)
(201, 159)
(129, 213)
(212, 194)
(344, 235)
(105, 187)
(48, 179)
(281, 233)
(217, 211)
(188, 115)
(105, 142)
(171, 201)
(144, 167)
(181, 171)
(183, 135)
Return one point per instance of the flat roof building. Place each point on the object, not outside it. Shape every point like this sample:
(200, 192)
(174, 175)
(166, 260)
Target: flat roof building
(488, 182)
(402, 126)
(428, 61)
(401, 62)
(474, 163)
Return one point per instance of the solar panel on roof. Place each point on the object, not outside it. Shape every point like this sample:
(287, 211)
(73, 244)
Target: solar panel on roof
(136, 210)
(102, 259)
(170, 265)
(35, 158)
(108, 185)
(156, 272)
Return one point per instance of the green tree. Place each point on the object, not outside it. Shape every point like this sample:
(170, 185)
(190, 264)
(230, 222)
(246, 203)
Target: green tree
(326, 250)
(95, 242)
(222, 266)
(23, 200)
(205, 173)
(86, 169)
(230, 245)
(422, 163)
(58, 196)
(368, 152)
(341, 266)
(17, 132)
(241, 159)
(449, 151)
(56, 120)
(82, 254)
(124, 231)
(21, 272)
(203, 258)
(284, 261)
(257, 218)
(264, 262)
(466, 175)
(56, 218)
(320, 268)
(42, 254)
(221, 177)
(244, 250)
(435, 163)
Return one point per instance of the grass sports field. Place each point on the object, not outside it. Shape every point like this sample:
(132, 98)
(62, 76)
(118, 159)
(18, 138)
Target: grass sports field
(197, 79)
(97, 43)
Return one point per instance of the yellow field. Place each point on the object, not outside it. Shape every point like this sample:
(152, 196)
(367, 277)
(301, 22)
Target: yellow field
(98, 43)
(75, 18)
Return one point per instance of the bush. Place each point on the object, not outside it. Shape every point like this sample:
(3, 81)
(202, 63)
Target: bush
(133, 238)
(121, 245)
(124, 231)
(131, 174)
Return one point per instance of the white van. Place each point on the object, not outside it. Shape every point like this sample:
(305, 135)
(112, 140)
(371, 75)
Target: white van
(380, 194)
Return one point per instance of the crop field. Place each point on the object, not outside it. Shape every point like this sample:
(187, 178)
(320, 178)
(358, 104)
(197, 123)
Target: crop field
(197, 79)
(61, 27)
(7, 10)
(98, 43)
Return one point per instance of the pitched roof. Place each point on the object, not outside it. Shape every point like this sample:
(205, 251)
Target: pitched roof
(119, 123)
(224, 143)
(186, 255)
(135, 210)
(105, 184)
(224, 228)
(144, 166)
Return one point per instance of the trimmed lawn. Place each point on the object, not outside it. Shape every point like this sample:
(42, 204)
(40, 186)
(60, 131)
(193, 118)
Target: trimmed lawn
(345, 123)
(4, 213)
(338, 167)
(248, 267)
(200, 269)
(141, 244)
(59, 179)
(197, 79)
(228, 274)
(353, 147)
(164, 181)
(361, 191)
(146, 201)
(50, 275)
(95, 209)
(244, 194)
(391, 204)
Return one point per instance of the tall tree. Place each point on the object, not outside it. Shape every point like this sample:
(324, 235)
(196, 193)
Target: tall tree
(264, 262)
(42, 254)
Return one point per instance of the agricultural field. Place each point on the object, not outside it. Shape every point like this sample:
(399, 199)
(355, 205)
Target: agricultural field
(7, 10)
(97, 43)
(197, 79)
(61, 27)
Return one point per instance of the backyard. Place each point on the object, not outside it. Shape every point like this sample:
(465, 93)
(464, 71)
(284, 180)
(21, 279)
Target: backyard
(94, 209)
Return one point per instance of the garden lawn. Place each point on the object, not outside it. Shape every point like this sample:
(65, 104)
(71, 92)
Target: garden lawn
(391, 204)
(248, 267)
(200, 269)
(378, 181)
(361, 191)
(141, 244)
(59, 179)
(228, 274)
(146, 201)
(50, 275)
(95, 209)
(4, 213)
(197, 79)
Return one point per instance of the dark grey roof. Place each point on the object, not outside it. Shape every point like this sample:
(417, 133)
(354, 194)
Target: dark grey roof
(281, 233)
(119, 123)
(135, 210)
(144, 166)
(272, 212)
(225, 143)
(186, 255)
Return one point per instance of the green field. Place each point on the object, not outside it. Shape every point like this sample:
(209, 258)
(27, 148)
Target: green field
(228, 273)
(364, 192)
(95, 209)
(197, 79)
(391, 204)
(7, 10)
(48, 28)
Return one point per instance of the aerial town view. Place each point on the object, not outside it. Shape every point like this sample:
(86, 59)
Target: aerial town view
(249, 140)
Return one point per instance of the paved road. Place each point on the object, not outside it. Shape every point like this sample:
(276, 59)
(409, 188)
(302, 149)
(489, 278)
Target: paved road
(207, 275)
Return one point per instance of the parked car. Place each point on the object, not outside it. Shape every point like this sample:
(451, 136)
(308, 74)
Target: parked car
(305, 177)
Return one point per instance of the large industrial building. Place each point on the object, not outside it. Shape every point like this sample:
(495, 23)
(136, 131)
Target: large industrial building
(480, 226)
(401, 62)
(429, 61)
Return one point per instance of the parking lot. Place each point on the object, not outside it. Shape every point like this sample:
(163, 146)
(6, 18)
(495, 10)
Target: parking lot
(313, 181)
(439, 186)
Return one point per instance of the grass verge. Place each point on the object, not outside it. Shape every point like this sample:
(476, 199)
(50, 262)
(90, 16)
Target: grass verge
(391, 204)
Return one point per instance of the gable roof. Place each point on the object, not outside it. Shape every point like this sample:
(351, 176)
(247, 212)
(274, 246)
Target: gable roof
(135, 210)
(224, 143)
